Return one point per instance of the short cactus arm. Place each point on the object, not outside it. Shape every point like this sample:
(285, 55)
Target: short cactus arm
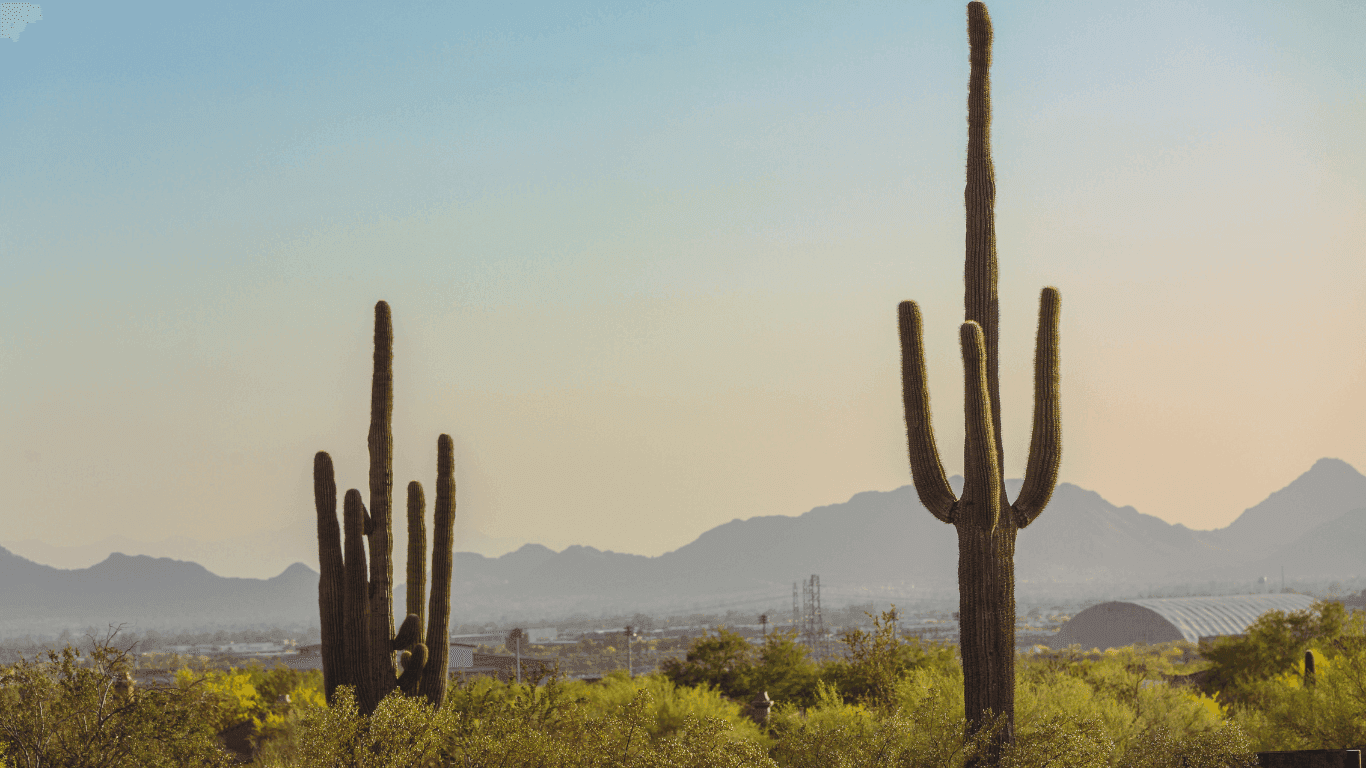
(981, 502)
(927, 472)
(1045, 446)
(414, 662)
(409, 633)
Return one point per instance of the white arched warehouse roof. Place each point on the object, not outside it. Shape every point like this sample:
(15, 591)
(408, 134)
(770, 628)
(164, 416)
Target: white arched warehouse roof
(1159, 620)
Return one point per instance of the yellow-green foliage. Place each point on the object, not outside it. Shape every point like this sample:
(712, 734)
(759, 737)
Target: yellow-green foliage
(1283, 709)
(1123, 698)
(925, 727)
(254, 695)
(876, 661)
(66, 711)
(667, 711)
(403, 731)
(490, 724)
(1272, 646)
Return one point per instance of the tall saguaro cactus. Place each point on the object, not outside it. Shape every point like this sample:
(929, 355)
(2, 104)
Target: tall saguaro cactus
(987, 522)
(355, 593)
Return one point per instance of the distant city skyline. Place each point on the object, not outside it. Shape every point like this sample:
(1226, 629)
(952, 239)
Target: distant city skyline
(644, 261)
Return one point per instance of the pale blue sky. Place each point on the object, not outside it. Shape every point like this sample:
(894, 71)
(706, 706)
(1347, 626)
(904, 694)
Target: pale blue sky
(644, 259)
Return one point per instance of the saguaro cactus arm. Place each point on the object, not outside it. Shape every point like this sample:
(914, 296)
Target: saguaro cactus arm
(981, 503)
(331, 580)
(355, 631)
(1045, 443)
(408, 634)
(414, 662)
(417, 555)
(927, 472)
(434, 677)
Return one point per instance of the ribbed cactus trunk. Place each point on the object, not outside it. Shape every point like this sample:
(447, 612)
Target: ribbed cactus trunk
(355, 593)
(985, 519)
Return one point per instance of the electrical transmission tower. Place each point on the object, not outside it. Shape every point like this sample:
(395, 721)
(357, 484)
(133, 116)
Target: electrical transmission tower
(796, 610)
(813, 626)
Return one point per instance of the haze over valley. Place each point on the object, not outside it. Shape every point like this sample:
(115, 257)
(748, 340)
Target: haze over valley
(880, 547)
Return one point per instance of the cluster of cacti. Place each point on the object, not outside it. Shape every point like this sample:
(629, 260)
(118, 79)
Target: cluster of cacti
(355, 599)
(986, 521)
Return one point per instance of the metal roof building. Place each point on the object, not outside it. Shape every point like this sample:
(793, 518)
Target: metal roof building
(1161, 620)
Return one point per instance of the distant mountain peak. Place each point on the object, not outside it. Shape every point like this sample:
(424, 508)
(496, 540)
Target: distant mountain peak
(297, 570)
(1319, 495)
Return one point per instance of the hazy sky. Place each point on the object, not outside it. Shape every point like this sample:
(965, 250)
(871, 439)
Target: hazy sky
(644, 258)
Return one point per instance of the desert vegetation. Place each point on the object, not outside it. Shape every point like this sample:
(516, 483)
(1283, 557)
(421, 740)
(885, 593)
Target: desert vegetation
(883, 700)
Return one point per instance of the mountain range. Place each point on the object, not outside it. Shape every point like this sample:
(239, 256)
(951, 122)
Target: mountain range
(876, 546)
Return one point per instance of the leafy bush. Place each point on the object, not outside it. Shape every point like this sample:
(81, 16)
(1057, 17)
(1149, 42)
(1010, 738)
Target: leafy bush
(834, 732)
(1125, 692)
(403, 731)
(876, 661)
(273, 701)
(66, 711)
(1291, 711)
(485, 727)
(725, 662)
(669, 707)
(1272, 646)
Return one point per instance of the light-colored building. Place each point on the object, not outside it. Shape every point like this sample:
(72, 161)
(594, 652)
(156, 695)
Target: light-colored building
(541, 635)
(461, 656)
(1160, 620)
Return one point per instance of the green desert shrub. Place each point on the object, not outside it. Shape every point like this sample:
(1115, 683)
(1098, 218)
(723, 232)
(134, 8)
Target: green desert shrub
(273, 701)
(68, 710)
(484, 727)
(1126, 693)
(834, 732)
(876, 661)
(543, 707)
(1293, 710)
(1272, 646)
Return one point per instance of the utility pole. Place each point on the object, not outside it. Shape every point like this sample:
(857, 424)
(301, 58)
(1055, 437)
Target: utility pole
(519, 655)
(629, 671)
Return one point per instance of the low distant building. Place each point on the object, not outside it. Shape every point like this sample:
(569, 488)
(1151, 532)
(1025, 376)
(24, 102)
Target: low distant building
(205, 649)
(539, 635)
(504, 667)
(460, 656)
(1161, 620)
